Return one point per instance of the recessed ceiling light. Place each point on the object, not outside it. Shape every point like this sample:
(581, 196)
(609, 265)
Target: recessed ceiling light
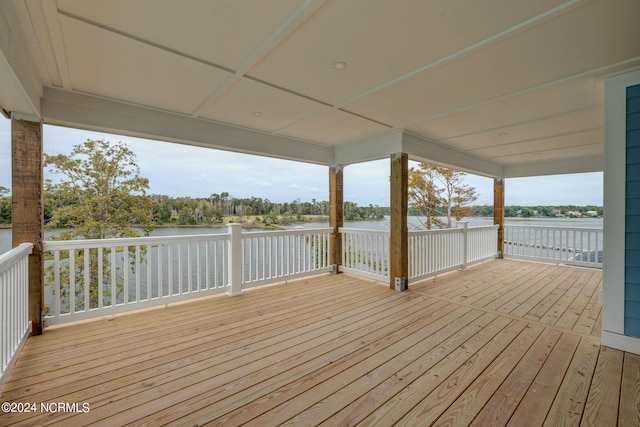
(503, 134)
(257, 113)
(339, 65)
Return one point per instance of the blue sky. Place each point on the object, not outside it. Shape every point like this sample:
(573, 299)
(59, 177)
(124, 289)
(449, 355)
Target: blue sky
(182, 170)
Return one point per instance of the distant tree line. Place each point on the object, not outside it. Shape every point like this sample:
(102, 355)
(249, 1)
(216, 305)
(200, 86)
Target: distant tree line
(570, 211)
(213, 209)
(204, 210)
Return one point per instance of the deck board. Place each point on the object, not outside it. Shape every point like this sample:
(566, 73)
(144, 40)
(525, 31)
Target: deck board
(604, 395)
(504, 343)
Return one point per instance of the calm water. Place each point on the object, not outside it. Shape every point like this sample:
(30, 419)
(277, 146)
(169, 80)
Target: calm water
(414, 223)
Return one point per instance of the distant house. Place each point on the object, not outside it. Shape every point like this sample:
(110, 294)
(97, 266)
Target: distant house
(591, 213)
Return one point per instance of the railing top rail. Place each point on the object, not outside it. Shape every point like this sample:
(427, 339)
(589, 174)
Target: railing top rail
(287, 232)
(49, 245)
(363, 231)
(437, 231)
(485, 227)
(133, 241)
(10, 258)
(553, 227)
(453, 230)
(415, 232)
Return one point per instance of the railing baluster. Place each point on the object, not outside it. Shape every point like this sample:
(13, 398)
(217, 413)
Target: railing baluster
(137, 273)
(263, 251)
(114, 278)
(100, 279)
(281, 251)
(86, 278)
(299, 253)
(56, 283)
(125, 273)
(149, 277)
(72, 281)
(189, 268)
(180, 269)
(170, 269)
(160, 270)
(198, 267)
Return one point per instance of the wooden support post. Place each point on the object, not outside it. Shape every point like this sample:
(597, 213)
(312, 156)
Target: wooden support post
(464, 225)
(498, 212)
(399, 234)
(27, 207)
(336, 216)
(235, 259)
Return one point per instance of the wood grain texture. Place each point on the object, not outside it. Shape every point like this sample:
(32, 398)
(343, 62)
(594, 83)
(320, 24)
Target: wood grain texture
(398, 231)
(27, 181)
(629, 414)
(339, 350)
(603, 402)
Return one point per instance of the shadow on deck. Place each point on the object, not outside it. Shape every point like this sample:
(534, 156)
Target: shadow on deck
(505, 342)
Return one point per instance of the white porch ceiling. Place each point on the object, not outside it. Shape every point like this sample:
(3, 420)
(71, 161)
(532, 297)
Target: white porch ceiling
(496, 87)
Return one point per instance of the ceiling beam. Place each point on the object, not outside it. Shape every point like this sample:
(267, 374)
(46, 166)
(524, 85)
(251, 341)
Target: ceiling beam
(425, 150)
(556, 167)
(368, 149)
(103, 115)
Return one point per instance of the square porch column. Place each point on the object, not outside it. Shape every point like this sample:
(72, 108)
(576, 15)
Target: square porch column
(27, 206)
(336, 215)
(498, 212)
(399, 234)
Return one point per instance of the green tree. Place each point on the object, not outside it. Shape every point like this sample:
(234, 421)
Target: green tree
(104, 193)
(100, 194)
(5, 206)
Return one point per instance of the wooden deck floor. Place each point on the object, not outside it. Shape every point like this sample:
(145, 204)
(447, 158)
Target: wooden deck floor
(505, 343)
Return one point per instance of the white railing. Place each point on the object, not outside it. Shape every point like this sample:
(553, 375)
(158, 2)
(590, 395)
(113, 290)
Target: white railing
(436, 251)
(90, 278)
(277, 255)
(433, 251)
(14, 304)
(561, 245)
(482, 243)
(365, 252)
